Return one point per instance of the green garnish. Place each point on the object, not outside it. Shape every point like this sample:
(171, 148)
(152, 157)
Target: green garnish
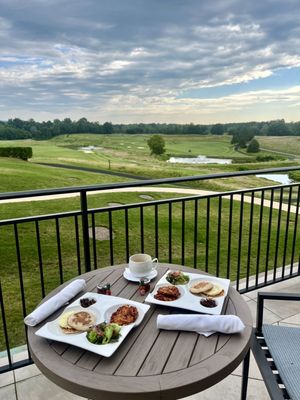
(104, 333)
(177, 278)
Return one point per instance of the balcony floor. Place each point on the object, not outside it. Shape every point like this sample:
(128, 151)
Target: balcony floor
(29, 384)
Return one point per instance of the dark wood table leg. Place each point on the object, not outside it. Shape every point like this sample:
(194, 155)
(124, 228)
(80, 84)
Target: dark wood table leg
(245, 375)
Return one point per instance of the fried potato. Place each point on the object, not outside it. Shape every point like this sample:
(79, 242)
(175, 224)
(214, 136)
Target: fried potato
(124, 315)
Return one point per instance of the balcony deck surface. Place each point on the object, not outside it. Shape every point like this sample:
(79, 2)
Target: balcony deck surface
(29, 384)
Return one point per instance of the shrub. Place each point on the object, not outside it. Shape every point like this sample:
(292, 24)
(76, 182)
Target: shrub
(16, 152)
(253, 146)
(156, 144)
(269, 157)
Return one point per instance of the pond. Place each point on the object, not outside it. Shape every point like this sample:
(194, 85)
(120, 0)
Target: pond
(280, 178)
(199, 160)
(89, 149)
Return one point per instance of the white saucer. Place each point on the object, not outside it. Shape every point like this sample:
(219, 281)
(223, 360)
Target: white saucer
(130, 277)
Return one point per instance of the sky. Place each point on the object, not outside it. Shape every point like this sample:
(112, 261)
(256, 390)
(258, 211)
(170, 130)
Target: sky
(168, 61)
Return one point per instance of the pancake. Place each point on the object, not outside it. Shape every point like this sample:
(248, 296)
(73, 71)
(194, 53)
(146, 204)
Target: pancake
(69, 330)
(217, 290)
(201, 287)
(81, 320)
(63, 323)
(63, 319)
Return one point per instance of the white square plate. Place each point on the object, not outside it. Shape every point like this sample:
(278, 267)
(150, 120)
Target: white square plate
(187, 300)
(103, 308)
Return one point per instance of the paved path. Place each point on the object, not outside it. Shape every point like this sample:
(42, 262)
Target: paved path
(289, 155)
(95, 170)
(149, 189)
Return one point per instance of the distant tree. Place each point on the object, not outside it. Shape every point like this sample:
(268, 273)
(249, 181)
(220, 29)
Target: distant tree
(16, 122)
(56, 127)
(217, 129)
(264, 130)
(10, 133)
(108, 128)
(82, 125)
(253, 146)
(192, 129)
(133, 130)
(278, 128)
(296, 128)
(66, 126)
(156, 144)
(242, 135)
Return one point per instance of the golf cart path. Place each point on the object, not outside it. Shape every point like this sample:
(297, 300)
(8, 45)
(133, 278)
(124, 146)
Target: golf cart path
(183, 191)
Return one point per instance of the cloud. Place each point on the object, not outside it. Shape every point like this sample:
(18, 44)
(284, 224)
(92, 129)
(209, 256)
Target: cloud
(200, 110)
(107, 59)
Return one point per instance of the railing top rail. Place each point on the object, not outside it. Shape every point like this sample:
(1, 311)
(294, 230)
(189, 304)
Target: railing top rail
(148, 182)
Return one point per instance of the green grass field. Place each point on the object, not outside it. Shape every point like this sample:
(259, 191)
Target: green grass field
(18, 175)
(285, 144)
(137, 144)
(125, 152)
(130, 154)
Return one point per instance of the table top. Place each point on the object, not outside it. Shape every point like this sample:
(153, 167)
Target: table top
(150, 363)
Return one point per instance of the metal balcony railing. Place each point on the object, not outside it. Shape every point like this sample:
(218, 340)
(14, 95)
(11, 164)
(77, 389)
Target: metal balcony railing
(250, 236)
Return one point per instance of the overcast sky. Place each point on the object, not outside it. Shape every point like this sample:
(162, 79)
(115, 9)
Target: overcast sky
(201, 61)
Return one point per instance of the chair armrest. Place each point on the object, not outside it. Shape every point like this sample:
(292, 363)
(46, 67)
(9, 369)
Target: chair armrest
(261, 296)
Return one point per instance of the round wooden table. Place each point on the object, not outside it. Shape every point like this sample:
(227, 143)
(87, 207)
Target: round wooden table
(150, 363)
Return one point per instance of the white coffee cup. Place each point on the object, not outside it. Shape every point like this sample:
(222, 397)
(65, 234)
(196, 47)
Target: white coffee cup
(141, 265)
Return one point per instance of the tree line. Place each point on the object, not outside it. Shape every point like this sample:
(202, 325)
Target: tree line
(17, 128)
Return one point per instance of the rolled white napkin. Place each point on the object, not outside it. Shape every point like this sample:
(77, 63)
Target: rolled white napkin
(203, 324)
(53, 304)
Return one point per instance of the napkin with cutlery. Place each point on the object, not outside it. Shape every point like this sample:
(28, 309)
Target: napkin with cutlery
(203, 324)
(53, 304)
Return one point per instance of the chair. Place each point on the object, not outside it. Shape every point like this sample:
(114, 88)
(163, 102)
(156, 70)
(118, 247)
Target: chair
(277, 352)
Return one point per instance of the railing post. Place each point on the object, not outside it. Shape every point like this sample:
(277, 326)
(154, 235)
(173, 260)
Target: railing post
(85, 231)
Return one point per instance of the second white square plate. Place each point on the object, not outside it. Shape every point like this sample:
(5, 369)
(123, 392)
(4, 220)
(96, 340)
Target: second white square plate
(189, 301)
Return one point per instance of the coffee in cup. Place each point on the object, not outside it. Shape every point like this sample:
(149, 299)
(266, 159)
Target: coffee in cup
(141, 265)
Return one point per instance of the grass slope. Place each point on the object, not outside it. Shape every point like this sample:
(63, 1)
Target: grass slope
(18, 175)
(285, 144)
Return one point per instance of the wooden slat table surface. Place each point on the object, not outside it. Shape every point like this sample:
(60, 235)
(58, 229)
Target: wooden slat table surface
(150, 363)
